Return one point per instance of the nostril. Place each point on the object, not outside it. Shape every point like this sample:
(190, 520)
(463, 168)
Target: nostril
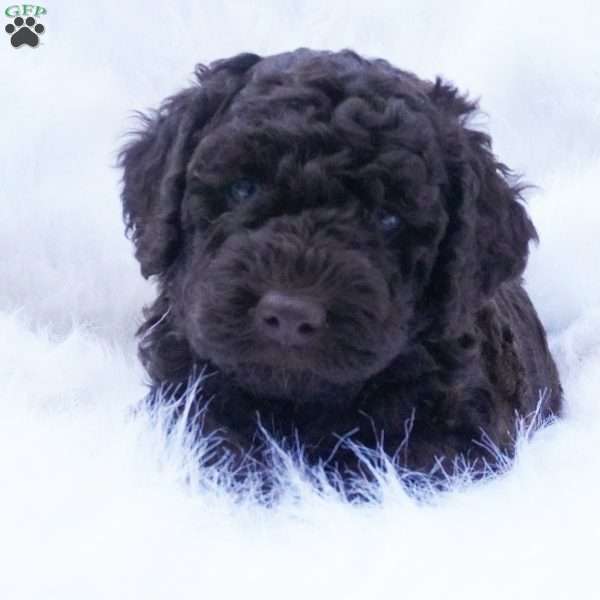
(272, 322)
(306, 329)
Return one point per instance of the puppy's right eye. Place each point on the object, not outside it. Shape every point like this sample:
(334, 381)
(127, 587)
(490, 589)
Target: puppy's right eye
(241, 191)
(387, 221)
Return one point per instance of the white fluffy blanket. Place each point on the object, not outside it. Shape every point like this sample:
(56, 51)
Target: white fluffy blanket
(94, 501)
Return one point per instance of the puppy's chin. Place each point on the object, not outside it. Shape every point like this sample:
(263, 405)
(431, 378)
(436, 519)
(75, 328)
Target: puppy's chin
(299, 386)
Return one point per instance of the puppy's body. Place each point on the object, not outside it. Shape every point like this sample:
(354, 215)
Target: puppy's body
(344, 256)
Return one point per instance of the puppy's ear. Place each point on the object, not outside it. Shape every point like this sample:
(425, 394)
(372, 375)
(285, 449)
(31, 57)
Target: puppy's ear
(156, 160)
(154, 164)
(488, 231)
(503, 229)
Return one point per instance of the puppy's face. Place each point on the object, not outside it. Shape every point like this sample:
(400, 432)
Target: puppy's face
(309, 214)
(303, 252)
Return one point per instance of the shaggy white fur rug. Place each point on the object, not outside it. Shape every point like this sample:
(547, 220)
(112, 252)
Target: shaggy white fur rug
(95, 502)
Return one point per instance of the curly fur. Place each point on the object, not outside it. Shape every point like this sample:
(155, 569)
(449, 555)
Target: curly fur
(428, 326)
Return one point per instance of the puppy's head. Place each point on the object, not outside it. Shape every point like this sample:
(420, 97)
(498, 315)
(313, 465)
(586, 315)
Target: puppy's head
(309, 215)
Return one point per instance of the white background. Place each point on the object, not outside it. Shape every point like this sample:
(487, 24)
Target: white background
(93, 502)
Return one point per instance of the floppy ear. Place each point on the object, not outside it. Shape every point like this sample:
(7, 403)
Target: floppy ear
(488, 232)
(155, 161)
(503, 229)
(154, 164)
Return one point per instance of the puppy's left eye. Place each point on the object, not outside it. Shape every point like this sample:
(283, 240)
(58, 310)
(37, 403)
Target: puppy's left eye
(242, 190)
(387, 221)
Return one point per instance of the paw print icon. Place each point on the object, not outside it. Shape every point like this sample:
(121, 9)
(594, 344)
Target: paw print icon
(24, 32)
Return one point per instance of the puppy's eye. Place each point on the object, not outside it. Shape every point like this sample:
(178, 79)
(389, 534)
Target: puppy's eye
(242, 190)
(386, 221)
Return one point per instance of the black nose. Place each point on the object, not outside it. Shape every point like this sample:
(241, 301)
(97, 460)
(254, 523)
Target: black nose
(289, 319)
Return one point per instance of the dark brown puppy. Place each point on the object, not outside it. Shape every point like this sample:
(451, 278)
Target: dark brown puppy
(344, 253)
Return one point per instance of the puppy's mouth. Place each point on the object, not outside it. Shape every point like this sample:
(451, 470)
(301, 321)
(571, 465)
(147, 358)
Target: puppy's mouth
(300, 386)
(301, 373)
(292, 344)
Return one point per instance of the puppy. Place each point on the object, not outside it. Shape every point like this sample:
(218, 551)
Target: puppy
(339, 255)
